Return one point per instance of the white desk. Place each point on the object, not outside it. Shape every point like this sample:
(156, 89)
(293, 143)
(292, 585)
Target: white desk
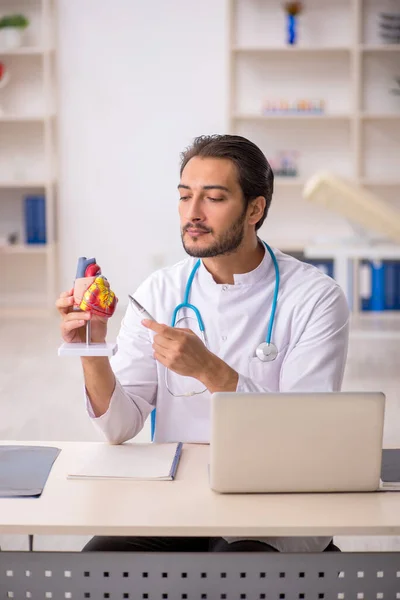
(188, 507)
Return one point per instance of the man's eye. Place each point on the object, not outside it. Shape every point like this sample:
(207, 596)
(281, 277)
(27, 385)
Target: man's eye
(215, 199)
(183, 198)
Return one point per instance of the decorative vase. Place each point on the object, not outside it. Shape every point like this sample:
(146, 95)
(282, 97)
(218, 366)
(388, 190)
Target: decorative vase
(292, 29)
(10, 38)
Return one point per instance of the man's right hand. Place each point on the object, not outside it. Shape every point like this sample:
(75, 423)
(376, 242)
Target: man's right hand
(73, 322)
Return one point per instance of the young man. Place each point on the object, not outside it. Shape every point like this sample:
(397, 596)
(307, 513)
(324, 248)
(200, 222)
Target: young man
(225, 191)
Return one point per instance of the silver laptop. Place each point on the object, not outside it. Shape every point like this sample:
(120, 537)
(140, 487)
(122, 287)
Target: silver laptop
(296, 442)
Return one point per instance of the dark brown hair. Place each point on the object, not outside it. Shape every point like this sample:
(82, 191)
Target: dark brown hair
(254, 171)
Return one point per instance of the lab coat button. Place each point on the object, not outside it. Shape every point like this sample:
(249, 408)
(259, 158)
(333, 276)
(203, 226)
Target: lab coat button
(223, 338)
(224, 288)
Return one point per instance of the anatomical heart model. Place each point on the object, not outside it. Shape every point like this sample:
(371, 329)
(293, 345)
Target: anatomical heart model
(92, 291)
(92, 294)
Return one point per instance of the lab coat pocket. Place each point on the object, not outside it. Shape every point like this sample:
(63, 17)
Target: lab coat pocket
(267, 374)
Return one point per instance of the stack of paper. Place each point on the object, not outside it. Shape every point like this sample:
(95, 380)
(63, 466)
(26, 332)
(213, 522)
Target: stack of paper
(139, 462)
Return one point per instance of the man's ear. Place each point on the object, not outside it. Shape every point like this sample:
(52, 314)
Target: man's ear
(256, 210)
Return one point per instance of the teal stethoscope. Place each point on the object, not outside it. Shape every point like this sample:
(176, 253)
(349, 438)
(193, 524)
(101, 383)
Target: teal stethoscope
(266, 351)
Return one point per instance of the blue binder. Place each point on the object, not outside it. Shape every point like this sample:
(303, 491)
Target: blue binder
(391, 299)
(377, 285)
(35, 219)
(385, 285)
(324, 265)
(397, 284)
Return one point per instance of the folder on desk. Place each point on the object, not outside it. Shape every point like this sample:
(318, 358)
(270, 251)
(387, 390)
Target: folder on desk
(24, 469)
(390, 470)
(138, 462)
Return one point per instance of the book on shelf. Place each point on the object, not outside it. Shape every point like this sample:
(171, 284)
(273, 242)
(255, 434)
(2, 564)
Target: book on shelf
(35, 219)
(380, 285)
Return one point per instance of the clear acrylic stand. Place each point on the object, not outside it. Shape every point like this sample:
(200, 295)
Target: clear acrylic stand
(88, 348)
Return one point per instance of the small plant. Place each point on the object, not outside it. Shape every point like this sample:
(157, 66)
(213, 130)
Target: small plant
(15, 21)
(293, 8)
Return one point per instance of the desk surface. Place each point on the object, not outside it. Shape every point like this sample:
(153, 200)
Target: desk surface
(187, 506)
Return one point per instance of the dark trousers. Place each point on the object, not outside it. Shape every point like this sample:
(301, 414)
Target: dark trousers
(179, 544)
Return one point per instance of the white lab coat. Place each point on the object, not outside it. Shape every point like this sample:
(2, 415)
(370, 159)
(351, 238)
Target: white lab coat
(310, 332)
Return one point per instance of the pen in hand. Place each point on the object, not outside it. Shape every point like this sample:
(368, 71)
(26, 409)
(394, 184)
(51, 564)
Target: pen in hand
(142, 311)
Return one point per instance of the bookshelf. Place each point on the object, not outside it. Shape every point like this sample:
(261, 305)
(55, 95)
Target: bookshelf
(28, 160)
(340, 58)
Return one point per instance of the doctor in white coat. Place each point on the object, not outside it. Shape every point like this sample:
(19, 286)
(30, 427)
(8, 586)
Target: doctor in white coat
(231, 278)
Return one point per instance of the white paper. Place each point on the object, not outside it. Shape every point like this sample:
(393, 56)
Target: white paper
(140, 462)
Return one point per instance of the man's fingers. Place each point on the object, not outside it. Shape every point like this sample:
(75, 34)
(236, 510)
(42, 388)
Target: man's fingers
(71, 325)
(169, 333)
(77, 316)
(159, 354)
(65, 301)
(159, 357)
(162, 342)
(160, 328)
(166, 349)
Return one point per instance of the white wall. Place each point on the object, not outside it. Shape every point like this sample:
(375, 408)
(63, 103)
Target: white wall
(137, 81)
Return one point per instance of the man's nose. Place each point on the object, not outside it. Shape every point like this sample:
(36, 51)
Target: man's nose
(195, 211)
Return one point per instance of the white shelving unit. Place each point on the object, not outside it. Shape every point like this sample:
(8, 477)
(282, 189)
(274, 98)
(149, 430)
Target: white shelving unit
(28, 159)
(26, 50)
(339, 58)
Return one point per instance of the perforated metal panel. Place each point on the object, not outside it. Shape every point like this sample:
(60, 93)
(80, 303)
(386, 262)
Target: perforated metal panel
(193, 576)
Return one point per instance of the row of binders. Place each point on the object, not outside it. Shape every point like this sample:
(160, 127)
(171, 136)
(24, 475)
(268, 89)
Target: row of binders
(379, 283)
(379, 279)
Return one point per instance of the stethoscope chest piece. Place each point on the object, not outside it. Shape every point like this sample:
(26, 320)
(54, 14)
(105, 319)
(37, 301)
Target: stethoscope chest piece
(267, 352)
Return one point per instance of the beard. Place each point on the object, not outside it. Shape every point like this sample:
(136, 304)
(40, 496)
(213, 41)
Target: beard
(226, 243)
